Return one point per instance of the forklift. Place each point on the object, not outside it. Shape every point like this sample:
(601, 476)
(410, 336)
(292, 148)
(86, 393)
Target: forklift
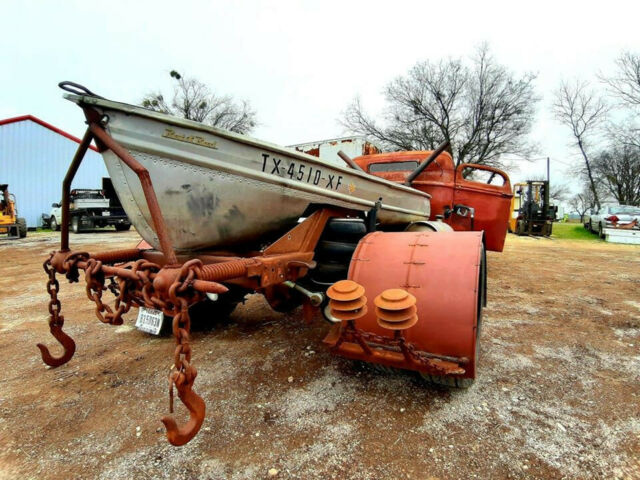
(10, 223)
(531, 212)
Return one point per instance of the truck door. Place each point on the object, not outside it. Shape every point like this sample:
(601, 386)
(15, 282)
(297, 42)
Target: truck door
(482, 201)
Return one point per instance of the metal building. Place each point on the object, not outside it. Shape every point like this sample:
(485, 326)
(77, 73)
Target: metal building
(34, 158)
(328, 150)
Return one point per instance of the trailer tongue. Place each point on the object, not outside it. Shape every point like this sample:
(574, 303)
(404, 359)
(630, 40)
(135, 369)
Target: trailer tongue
(226, 215)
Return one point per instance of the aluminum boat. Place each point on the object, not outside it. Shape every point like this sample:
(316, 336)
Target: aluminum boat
(216, 188)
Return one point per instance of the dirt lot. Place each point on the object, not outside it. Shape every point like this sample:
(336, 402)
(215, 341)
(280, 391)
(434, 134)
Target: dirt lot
(558, 394)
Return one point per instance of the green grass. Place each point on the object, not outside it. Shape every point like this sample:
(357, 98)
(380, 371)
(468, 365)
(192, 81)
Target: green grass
(573, 231)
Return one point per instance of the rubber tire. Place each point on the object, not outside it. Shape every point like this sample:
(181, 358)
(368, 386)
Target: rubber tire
(601, 231)
(53, 223)
(330, 272)
(122, 227)
(335, 251)
(22, 227)
(75, 224)
(204, 316)
(345, 230)
(591, 227)
(447, 380)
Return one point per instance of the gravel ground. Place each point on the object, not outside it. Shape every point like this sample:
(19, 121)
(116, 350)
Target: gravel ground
(557, 396)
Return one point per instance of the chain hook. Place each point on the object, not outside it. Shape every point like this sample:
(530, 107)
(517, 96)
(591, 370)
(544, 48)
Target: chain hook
(180, 435)
(56, 321)
(67, 343)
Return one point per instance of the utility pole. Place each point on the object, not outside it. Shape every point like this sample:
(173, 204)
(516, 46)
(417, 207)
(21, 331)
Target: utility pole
(548, 174)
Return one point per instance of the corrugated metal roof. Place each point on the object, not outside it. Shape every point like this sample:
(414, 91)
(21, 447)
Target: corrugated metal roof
(22, 118)
(34, 159)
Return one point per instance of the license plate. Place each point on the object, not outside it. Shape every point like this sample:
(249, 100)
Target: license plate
(149, 320)
(106, 213)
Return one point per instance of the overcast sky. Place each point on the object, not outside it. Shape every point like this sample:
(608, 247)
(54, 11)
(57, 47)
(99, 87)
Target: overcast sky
(298, 63)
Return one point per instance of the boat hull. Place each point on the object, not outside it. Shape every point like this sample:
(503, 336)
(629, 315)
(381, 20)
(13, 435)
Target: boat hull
(217, 189)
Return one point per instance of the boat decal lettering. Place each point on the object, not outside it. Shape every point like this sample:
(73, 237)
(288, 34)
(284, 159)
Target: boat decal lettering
(276, 167)
(303, 173)
(196, 140)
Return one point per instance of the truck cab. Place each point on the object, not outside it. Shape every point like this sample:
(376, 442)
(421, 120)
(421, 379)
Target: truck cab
(90, 208)
(467, 197)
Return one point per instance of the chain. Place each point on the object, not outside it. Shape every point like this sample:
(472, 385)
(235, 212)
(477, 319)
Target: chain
(95, 286)
(184, 374)
(350, 333)
(56, 320)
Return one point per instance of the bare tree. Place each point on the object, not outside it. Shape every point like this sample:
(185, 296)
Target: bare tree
(625, 84)
(583, 201)
(624, 87)
(618, 168)
(484, 110)
(559, 192)
(193, 100)
(583, 112)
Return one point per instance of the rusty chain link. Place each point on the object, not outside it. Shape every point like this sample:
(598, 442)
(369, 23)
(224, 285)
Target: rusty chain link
(184, 374)
(56, 320)
(350, 333)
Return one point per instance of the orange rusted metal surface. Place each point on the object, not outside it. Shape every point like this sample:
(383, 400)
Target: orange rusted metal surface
(444, 272)
(396, 309)
(449, 188)
(172, 287)
(347, 300)
(412, 300)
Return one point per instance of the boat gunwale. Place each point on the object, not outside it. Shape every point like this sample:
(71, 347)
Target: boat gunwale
(106, 104)
(233, 169)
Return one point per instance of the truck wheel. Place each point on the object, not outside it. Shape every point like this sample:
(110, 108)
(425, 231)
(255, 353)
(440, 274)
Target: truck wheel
(53, 223)
(601, 231)
(345, 230)
(22, 227)
(204, 315)
(448, 381)
(75, 225)
(335, 251)
(122, 227)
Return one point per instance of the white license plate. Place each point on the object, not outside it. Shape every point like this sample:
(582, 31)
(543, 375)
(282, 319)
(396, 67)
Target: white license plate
(106, 213)
(149, 320)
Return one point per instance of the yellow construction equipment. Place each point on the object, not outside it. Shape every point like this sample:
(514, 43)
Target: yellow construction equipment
(531, 212)
(10, 223)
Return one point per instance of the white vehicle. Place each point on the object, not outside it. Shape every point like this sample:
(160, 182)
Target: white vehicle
(90, 209)
(611, 216)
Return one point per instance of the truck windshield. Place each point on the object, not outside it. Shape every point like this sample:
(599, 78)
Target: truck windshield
(88, 195)
(407, 166)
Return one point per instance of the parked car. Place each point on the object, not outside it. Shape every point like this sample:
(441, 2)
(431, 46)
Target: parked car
(610, 216)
